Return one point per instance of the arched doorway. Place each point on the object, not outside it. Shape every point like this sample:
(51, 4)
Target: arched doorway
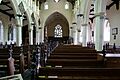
(57, 28)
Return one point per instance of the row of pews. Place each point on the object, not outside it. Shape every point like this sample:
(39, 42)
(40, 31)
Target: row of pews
(14, 60)
(108, 48)
(64, 62)
(23, 60)
(69, 62)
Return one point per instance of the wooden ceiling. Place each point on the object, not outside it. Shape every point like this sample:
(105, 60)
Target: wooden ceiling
(113, 2)
(6, 8)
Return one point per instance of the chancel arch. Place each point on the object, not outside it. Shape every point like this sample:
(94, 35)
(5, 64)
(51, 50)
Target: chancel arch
(57, 27)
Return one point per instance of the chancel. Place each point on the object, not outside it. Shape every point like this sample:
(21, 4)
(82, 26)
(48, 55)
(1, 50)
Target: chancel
(59, 40)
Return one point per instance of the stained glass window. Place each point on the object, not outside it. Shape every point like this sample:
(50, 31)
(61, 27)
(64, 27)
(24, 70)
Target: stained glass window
(58, 31)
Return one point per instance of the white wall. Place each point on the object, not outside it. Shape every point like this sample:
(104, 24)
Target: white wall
(55, 7)
(114, 18)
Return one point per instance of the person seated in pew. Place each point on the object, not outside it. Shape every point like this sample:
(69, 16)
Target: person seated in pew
(1, 45)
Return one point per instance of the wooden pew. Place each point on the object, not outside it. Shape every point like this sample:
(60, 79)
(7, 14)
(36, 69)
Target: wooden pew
(17, 55)
(82, 73)
(12, 77)
(73, 56)
(76, 50)
(4, 63)
(68, 46)
(65, 63)
(75, 62)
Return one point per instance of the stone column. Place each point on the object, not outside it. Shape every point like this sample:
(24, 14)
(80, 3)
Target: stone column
(74, 33)
(99, 25)
(31, 35)
(100, 8)
(37, 36)
(71, 32)
(41, 35)
(89, 34)
(84, 35)
(19, 30)
(1, 32)
(78, 36)
(78, 27)
(0, 1)
(14, 33)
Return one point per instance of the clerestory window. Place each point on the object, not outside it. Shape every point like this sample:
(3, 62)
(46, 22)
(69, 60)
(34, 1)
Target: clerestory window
(46, 5)
(67, 5)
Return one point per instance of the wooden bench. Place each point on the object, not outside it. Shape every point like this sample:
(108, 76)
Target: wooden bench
(12, 77)
(82, 73)
(21, 59)
(75, 62)
(76, 50)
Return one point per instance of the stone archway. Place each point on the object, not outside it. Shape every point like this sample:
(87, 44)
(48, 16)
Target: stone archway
(53, 20)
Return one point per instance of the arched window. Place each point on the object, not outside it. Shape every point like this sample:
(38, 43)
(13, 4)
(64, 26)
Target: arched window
(58, 31)
(46, 5)
(106, 31)
(67, 5)
(10, 32)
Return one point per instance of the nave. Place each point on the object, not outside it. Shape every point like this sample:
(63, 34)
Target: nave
(59, 39)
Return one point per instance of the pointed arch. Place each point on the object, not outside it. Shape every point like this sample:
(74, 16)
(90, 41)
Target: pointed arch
(56, 19)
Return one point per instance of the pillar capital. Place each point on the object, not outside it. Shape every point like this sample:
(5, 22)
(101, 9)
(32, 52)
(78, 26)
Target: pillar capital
(80, 15)
(100, 14)
(19, 20)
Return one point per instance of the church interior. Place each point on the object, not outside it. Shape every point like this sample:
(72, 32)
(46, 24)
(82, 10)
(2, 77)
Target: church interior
(59, 40)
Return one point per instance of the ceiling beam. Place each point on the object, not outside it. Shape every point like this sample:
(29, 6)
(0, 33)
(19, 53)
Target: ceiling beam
(113, 2)
(8, 9)
(6, 13)
(117, 4)
(110, 5)
(6, 4)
